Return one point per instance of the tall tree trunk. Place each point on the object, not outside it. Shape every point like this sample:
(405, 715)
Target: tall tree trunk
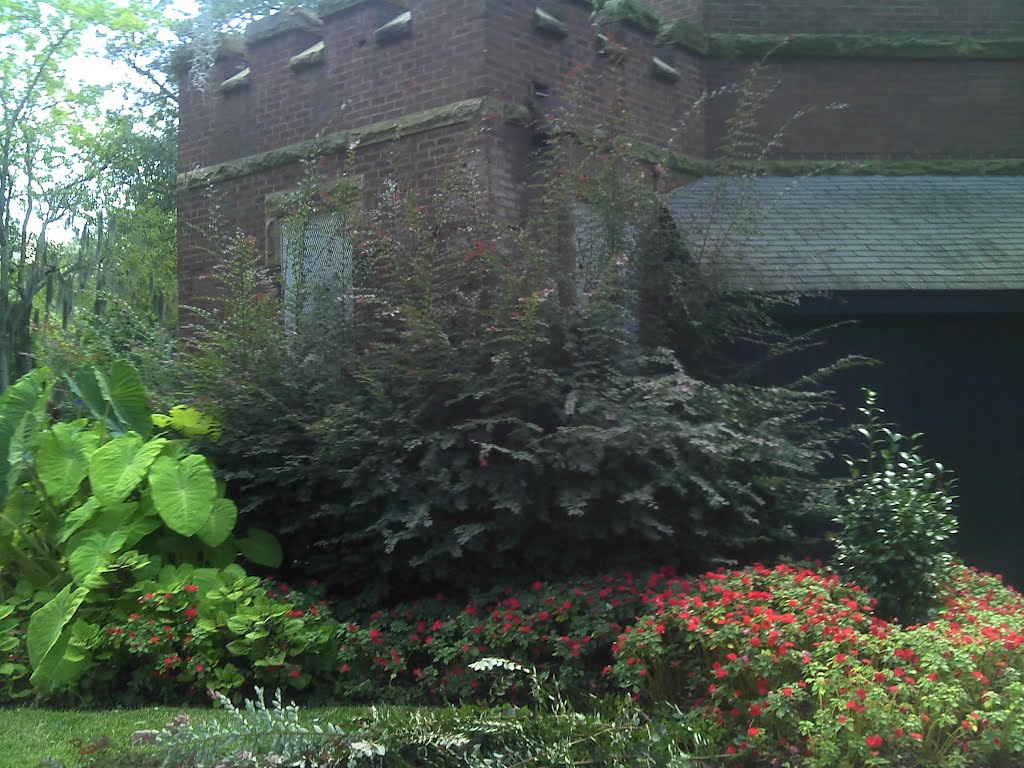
(101, 282)
(6, 257)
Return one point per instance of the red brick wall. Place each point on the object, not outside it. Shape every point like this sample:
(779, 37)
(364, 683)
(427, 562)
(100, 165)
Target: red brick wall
(895, 109)
(588, 85)
(209, 218)
(459, 49)
(981, 18)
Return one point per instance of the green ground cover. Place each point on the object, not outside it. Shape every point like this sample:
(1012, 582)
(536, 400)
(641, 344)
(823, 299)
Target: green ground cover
(72, 738)
(66, 736)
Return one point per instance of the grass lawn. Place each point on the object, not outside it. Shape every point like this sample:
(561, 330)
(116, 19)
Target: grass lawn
(66, 736)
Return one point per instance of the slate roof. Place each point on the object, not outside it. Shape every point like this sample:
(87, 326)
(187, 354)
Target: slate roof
(858, 233)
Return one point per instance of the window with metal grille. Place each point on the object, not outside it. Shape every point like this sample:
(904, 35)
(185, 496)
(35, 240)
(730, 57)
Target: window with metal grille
(316, 265)
(602, 245)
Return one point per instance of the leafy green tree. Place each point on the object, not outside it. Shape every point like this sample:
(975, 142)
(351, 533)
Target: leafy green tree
(67, 164)
(49, 163)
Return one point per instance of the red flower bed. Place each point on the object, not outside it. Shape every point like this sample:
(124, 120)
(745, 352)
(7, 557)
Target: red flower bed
(788, 661)
(779, 665)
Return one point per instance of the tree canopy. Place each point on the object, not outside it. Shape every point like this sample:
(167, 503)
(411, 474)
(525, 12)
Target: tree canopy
(83, 178)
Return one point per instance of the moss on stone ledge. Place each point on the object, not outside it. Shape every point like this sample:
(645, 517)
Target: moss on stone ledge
(690, 37)
(340, 142)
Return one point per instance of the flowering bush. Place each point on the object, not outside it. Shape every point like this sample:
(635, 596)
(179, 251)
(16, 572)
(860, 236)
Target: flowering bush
(423, 649)
(788, 663)
(199, 630)
(780, 665)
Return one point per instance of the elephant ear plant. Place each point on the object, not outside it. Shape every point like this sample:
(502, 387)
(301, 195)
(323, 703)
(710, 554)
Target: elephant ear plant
(94, 505)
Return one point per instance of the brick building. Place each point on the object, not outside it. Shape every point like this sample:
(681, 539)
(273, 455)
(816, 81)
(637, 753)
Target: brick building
(936, 81)
(932, 88)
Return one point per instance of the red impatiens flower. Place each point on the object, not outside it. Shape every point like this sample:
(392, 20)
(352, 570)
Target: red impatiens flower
(874, 742)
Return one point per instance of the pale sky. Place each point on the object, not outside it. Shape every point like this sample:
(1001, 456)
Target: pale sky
(91, 68)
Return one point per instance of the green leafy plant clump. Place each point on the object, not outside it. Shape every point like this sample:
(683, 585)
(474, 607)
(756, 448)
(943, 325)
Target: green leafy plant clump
(896, 521)
(94, 505)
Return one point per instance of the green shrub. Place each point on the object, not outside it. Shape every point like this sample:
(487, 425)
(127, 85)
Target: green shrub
(896, 521)
(119, 332)
(14, 665)
(465, 737)
(469, 415)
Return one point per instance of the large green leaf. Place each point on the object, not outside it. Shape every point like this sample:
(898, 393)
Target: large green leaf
(183, 492)
(124, 389)
(27, 395)
(262, 548)
(91, 556)
(60, 464)
(126, 518)
(119, 467)
(48, 636)
(86, 384)
(189, 422)
(87, 440)
(76, 518)
(220, 524)
(223, 555)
